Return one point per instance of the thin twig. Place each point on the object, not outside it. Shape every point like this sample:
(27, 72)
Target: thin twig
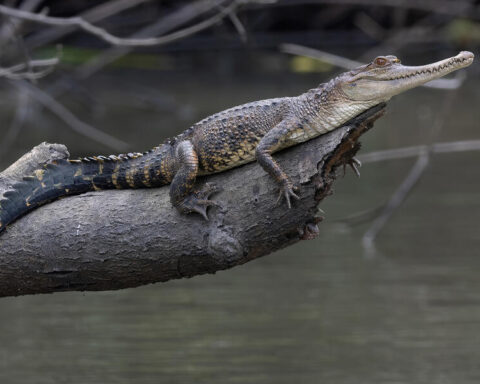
(409, 182)
(242, 32)
(92, 15)
(413, 151)
(404, 153)
(361, 217)
(339, 61)
(70, 119)
(101, 33)
(395, 201)
(172, 21)
(15, 72)
(369, 26)
(9, 30)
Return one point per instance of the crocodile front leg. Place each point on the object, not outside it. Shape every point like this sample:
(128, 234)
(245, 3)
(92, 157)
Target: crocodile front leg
(182, 193)
(276, 139)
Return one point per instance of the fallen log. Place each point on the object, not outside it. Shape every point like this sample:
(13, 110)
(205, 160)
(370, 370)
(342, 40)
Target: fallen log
(125, 238)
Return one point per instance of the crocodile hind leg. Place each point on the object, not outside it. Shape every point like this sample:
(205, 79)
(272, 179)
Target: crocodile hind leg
(182, 193)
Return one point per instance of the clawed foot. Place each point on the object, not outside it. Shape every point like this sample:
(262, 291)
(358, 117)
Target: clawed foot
(354, 163)
(199, 201)
(287, 190)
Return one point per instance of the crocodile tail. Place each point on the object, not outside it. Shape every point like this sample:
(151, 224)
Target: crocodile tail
(46, 184)
(72, 177)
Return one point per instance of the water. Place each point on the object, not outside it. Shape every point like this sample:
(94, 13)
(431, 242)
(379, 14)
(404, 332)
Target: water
(317, 312)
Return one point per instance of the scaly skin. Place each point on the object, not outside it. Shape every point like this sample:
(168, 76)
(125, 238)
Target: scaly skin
(236, 136)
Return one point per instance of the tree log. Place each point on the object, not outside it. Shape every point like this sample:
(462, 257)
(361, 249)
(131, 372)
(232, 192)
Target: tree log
(125, 238)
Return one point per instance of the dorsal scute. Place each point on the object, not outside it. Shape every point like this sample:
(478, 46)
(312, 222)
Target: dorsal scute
(239, 110)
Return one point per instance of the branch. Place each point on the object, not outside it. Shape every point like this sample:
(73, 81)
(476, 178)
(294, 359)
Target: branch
(102, 34)
(117, 239)
(401, 193)
(394, 202)
(70, 119)
(403, 153)
(26, 70)
(172, 21)
(9, 29)
(417, 150)
(94, 14)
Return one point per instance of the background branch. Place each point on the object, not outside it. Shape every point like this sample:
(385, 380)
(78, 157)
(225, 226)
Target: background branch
(410, 181)
(26, 70)
(95, 14)
(101, 33)
(416, 150)
(70, 119)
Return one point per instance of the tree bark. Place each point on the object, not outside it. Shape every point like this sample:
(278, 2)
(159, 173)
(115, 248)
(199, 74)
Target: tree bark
(125, 238)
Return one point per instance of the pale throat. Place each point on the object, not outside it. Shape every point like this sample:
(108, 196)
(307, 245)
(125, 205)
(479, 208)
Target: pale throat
(328, 116)
(335, 114)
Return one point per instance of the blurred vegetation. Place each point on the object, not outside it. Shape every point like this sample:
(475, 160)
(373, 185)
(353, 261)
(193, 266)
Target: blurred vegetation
(356, 26)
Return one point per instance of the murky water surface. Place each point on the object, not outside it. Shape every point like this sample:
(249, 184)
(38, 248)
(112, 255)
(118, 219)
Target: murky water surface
(317, 312)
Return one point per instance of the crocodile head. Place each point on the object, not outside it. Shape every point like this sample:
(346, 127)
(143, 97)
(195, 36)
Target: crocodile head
(385, 77)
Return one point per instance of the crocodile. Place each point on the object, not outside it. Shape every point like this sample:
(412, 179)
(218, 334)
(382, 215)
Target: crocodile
(228, 139)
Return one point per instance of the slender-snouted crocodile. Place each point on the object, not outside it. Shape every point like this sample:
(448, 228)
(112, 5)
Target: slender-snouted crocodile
(228, 139)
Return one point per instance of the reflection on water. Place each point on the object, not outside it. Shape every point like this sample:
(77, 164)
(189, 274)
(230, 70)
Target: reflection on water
(316, 312)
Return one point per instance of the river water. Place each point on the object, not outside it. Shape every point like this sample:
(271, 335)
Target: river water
(321, 311)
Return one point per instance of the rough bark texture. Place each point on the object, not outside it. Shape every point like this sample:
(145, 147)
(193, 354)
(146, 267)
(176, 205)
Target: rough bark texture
(126, 238)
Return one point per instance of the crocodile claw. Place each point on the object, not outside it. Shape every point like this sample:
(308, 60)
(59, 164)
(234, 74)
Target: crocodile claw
(200, 207)
(287, 191)
(354, 163)
(199, 202)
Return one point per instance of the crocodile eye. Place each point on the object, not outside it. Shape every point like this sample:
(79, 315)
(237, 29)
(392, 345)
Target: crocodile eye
(381, 61)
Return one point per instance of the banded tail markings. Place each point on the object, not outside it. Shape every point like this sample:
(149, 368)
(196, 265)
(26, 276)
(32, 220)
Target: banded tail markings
(146, 174)
(71, 177)
(130, 177)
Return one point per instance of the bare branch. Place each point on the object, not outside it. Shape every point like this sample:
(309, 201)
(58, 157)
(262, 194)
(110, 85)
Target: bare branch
(84, 25)
(414, 151)
(339, 61)
(70, 119)
(403, 153)
(395, 201)
(238, 26)
(15, 72)
(369, 26)
(174, 20)
(8, 30)
(408, 183)
(92, 15)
